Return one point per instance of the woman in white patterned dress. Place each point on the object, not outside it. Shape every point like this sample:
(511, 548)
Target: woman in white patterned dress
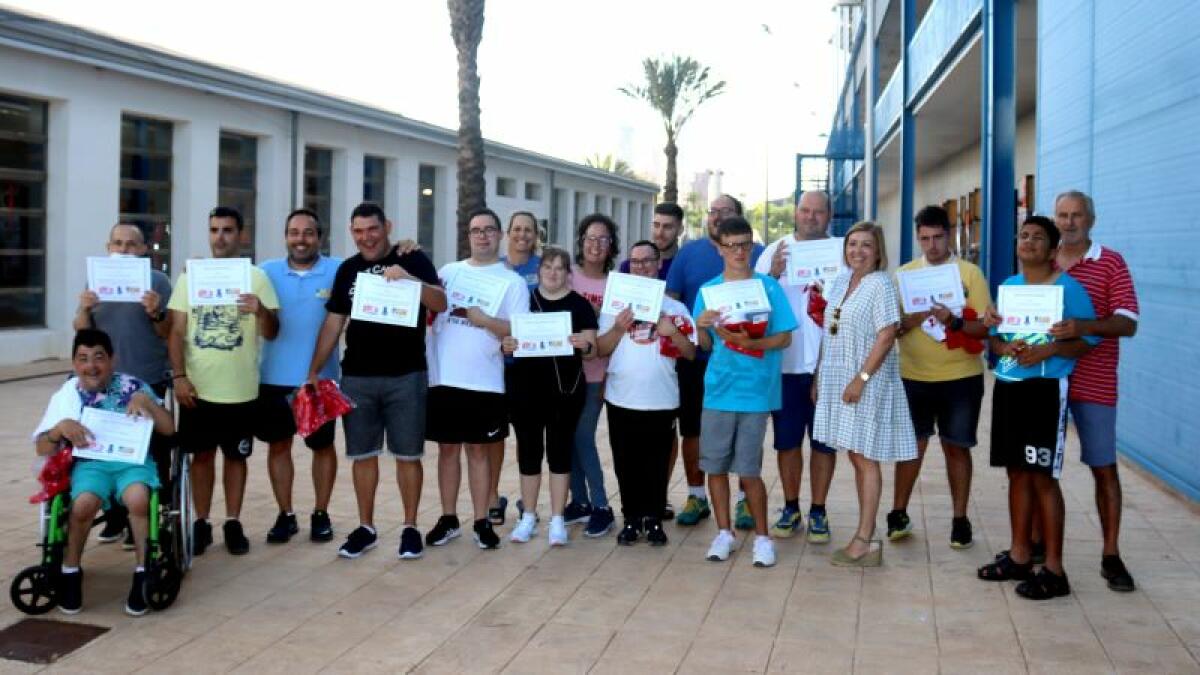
(860, 403)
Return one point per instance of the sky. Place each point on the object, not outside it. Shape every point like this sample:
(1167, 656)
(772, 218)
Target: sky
(550, 69)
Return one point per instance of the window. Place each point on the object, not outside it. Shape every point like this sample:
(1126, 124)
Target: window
(580, 212)
(22, 213)
(318, 187)
(375, 180)
(506, 187)
(237, 182)
(533, 192)
(145, 198)
(426, 207)
(556, 200)
(598, 205)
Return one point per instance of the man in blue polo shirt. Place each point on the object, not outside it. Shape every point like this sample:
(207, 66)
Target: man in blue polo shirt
(302, 281)
(698, 262)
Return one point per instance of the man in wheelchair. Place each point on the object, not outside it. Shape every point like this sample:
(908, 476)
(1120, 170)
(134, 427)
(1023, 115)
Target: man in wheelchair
(94, 484)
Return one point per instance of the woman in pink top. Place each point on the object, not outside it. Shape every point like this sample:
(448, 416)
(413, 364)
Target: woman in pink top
(596, 249)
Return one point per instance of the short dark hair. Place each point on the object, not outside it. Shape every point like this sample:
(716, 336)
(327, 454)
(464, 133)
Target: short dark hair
(303, 212)
(614, 246)
(228, 212)
(737, 204)
(369, 210)
(646, 242)
(669, 209)
(485, 211)
(733, 226)
(1052, 233)
(91, 337)
(932, 216)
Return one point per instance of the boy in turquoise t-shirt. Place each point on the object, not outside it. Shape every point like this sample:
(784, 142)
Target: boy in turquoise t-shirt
(741, 387)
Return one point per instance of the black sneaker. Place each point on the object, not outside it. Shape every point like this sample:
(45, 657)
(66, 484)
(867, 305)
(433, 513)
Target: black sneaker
(496, 513)
(320, 529)
(128, 544)
(70, 592)
(285, 527)
(899, 525)
(201, 536)
(235, 539)
(960, 534)
(447, 528)
(135, 604)
(655, 535)
(359, 542)
(600, 523)
(410, 544)
(668, 512)
(485, 536)
(628, 535)
(1113, 569)
(576, 512)
(115, 524)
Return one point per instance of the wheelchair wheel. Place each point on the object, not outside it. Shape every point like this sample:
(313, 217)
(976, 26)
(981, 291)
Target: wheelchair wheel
(33, 590)
(162, 585)
(181, 540)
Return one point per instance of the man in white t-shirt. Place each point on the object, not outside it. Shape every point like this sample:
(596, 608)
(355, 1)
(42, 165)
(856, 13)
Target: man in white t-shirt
(466, 404)
(799, 363)
(642, 392)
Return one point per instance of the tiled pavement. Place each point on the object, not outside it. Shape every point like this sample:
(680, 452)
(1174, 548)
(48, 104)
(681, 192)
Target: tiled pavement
(595, 607)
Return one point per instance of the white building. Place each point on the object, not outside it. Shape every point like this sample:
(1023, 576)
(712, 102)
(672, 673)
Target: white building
(93, 129)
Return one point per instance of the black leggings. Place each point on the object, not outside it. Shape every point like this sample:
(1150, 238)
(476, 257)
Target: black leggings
(641, 447)
(545, 424)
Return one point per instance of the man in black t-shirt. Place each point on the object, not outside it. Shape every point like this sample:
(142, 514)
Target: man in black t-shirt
(384, 373)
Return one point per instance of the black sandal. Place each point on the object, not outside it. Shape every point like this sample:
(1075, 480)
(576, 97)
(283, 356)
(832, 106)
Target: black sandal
(1004, 569)
(1044, 585)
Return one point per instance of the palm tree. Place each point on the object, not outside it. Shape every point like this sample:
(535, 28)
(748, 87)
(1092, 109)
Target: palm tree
(610, 164)
(674, 87)
(466, 27)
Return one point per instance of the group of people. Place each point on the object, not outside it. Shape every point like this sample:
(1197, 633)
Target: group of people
(842, 364)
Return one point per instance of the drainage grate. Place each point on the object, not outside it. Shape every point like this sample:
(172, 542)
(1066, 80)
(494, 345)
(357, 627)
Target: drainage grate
(45, 640)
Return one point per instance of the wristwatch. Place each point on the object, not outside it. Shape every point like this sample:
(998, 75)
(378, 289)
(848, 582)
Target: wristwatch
(864, 376)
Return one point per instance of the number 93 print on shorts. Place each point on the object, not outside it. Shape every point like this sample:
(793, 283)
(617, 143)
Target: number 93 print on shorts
(1029, 420)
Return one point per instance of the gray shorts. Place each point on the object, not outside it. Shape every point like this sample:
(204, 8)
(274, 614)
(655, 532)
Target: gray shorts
(732, 442)
(394, 404)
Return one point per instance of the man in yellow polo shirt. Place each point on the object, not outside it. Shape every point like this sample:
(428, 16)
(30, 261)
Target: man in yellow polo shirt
(943, 378)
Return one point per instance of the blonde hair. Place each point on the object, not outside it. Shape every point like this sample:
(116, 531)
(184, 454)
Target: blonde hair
(877, 232)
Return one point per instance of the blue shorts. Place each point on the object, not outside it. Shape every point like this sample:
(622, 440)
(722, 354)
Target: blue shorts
(952, 405)
(1096, 425)
(109, 479)
(795, 418)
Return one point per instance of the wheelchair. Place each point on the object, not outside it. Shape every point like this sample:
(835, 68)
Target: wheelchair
(168, 542)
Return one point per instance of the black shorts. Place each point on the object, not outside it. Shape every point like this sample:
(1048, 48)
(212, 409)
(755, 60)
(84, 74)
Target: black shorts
(229, 426)
(274, 420)
(953, 406)
(1029, 423)
(691, 395)
(465, 416)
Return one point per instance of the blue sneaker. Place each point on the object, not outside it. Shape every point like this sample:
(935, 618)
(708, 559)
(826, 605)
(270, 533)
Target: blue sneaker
(576, 513)
(790, 521)
(818, 528)
(694, 510)
(742, 519)
(600, 523)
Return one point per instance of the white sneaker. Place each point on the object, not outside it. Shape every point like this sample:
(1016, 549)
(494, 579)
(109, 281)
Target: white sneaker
(721, 547)
(764, 552)
(526, 528)
(558, 535)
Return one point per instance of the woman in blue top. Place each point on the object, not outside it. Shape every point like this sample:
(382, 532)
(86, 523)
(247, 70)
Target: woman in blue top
(521, 247)
(1029, 407)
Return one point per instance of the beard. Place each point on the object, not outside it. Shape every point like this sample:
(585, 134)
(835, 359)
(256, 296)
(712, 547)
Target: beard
(303, 259)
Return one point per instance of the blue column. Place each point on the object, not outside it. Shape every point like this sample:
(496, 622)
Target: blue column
(869, 143)
(999, 139)
(908, 139)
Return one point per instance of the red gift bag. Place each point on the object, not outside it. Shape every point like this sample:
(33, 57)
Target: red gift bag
(313, 407)
(55, 476)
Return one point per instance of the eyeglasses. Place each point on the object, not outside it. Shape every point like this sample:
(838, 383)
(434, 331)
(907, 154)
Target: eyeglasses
(602, 240)
(837, 315)
(738, 246)
(483, 231)
(640, 262)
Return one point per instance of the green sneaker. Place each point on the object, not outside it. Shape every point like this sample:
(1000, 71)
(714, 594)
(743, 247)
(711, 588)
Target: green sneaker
(790, 521)
(818, 528)
(742, 519)
(694, 510)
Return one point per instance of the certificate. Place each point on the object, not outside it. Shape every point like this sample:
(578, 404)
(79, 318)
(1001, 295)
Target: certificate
(817, 260)
(542, 334)
(737, 299)
(117, 437)
(1029, 309)
(941, 284)
(118, 279)
(381, 301)
(218, 281)
(470, 288)
(642, 295)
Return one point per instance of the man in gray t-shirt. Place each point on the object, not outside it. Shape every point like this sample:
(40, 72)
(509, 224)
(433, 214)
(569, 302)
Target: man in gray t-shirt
(138, 331)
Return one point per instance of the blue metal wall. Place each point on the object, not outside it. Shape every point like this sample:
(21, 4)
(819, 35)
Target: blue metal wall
(1119, 117)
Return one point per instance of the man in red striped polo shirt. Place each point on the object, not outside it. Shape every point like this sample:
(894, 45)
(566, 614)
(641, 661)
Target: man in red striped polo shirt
(1093, 389)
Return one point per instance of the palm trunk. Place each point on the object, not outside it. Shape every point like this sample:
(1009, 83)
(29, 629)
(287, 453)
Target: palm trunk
(670, 188)
(466, 27)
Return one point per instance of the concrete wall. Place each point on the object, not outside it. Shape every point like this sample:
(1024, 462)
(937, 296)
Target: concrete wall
(1119, 100)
